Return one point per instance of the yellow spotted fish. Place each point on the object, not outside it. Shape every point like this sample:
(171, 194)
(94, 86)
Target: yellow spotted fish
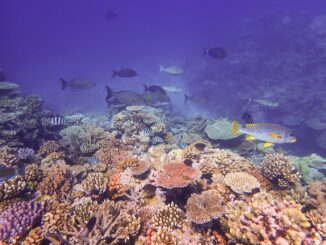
(269, 133)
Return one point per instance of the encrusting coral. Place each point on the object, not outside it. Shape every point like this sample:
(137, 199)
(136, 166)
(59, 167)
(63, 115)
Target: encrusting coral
(241, 182)
(177, 175)
(279, 169)
(204, 207)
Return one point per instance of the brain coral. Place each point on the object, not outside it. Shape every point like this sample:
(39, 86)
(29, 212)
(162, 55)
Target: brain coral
(177, 175)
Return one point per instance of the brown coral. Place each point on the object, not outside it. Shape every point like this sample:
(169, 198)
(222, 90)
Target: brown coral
(202, 208)
(49, 147)
(168, 217)
(57, 181)
(12, 187)
(279, 169)
(177, 175)
(161, 237)
(95, 183)
(7, 157)
(317, 193)
(82, 210)
(241, 182)
(34, 237)
(116, 188)
(141, 168)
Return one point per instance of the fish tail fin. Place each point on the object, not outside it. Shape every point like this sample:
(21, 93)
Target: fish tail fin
(109, 93)
(145, 87)
(64, 84)
(235, 130)
(114, 73)
(186, 98)
(161, 68)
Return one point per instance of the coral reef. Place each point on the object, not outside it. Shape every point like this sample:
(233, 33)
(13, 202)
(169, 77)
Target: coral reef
(241, 182)
(19, 219)
(279, 169)
(95, 183)
(168, 217)
(202, 208)
(177, 175)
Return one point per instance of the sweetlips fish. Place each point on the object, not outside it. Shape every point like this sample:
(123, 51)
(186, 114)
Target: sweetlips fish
(172, 70)
(123, 98)
(269, 133)
(77, 83)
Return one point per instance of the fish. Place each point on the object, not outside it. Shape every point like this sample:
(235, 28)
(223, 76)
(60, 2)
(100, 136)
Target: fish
(57, 120)
(172, 89)
(123, 98)
(156, 99)
(92, 160)
(269, 133)
(267, 102)
(172, 70)
(247, 117)
(9, 172)
(2, 76)
(157, 140)
(216, 53)
(209, 83)
(154, 89)
(110, 15)
(197, 99)
(146, 132)
(77, 83)
(126, 72)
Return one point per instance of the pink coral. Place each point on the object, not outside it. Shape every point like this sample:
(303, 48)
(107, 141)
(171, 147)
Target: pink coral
(177, 175)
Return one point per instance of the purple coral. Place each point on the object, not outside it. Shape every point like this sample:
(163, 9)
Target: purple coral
(25, 154)
(19, 219)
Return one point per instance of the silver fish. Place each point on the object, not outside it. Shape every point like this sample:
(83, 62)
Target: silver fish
(77, 83)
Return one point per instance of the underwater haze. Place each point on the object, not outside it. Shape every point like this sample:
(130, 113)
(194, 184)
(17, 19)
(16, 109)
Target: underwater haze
(179, 117)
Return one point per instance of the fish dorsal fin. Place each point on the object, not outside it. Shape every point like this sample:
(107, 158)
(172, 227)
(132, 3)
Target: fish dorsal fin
(268, 144)
(250, 125)
(275, 135)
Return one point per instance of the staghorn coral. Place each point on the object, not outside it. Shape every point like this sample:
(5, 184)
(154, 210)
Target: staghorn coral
(177, 175)
(241, 182)
(82, 210)
(57, 181)
(95, 183)
(202, 208)
(8, 157)
(265, 220)
(116, 188)
(279, 169)
(49, 147)
(18, 219)
(168, 217)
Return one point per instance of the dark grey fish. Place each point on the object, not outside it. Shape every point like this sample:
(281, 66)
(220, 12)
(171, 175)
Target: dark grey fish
(156, 99)
(195, 98)
(110, 15)
(9, 172)
(216, 52)
(57, 120)
(77, 83)
(126, 72)
(154, 89)
(123, 98)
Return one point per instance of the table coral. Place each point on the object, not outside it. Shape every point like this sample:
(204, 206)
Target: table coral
(279, 169)
(202, 208)
(241, 182)
(18, 219)
(177, 175)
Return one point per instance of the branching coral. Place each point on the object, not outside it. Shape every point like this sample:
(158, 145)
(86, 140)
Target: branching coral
(177, 175)
(82, 210)
(95, 183)
(12, 187)
(116, 188)
(265, 220)
(34, 237)
(317, 193)
(168, 217)
(202, 208)
(57, 181)
(241, 182)
(7, 157)
(49, 147)
(279, 169)
(19, 219)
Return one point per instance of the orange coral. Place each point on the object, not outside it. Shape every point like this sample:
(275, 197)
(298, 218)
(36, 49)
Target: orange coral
(177, 175)
(116, 188)
(34, 237)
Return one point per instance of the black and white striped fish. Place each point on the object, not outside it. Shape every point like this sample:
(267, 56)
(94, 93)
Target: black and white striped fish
(157, 140)
(146, 132)
(57, 120)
